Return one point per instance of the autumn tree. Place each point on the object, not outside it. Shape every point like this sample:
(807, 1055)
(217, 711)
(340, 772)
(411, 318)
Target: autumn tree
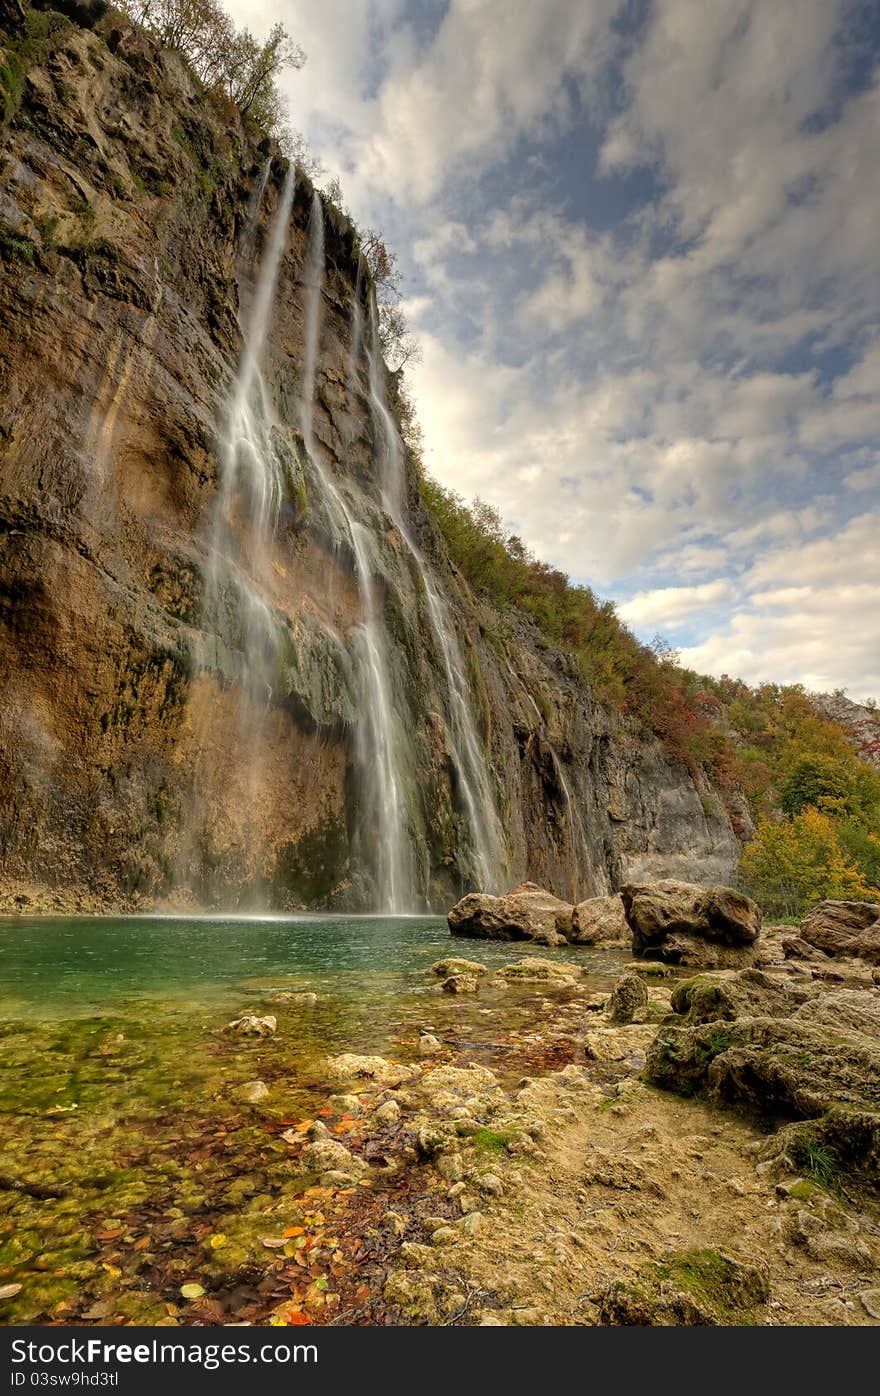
(792, 865)
(229, 61)
(399, 345)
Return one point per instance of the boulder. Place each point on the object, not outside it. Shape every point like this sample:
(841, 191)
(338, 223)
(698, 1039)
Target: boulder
(770, 1065)
(683, 923)
(453, 964)
(845, 928)
(528, 912)
(796, 948)
(461, 984)
(782, 1051)
(600, 921)
(711, 998)
(628, 998)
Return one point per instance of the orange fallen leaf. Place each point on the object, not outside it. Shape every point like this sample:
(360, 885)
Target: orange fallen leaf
(296, 1318)
(294, 1231)
(325, 1113)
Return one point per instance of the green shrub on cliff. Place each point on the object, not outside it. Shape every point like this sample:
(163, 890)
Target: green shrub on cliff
(229, 62)
(647, 686)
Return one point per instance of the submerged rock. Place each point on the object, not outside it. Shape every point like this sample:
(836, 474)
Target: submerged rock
(429, 1046)
(528, 912)
(306, 997)
(600, 921)
(249, 1025)
(844, 928)
(539, 969)
(683, 923)
(252, 1092)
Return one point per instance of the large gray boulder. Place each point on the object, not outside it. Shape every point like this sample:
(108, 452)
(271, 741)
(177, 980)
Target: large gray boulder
(684, 923)
(844, 928)
(528, 912)
(600, 921)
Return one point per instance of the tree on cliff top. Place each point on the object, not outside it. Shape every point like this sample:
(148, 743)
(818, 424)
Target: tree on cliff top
(226, 60)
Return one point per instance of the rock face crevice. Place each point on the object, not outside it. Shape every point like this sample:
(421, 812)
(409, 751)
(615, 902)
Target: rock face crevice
(127, 245)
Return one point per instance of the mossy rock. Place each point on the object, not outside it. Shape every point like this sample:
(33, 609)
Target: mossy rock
(687, 1288)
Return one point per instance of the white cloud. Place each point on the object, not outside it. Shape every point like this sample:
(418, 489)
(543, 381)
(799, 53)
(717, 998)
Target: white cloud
(644, 399)
(669, 606)
(806, 615)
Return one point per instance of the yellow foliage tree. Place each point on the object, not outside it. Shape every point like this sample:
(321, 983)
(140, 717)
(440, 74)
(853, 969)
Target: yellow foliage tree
(790, 866)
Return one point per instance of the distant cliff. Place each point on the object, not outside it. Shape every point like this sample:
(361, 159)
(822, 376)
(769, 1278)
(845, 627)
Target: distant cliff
(131, 220)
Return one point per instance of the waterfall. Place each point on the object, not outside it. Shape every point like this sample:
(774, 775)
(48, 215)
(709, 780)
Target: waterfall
(376, 734)
(248, 457)
(244, 517)
(488, 856)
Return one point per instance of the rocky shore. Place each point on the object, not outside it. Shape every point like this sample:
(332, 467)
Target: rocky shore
(676, 1148)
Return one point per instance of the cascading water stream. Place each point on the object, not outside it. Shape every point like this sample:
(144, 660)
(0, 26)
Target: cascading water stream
(245, 514)
(376, 739)
(487, 843)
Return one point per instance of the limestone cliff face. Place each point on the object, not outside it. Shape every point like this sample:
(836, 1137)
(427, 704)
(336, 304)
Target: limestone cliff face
(127, 242)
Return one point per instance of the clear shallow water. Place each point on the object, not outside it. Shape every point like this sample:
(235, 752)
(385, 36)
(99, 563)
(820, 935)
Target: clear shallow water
(55, 966)
(120, 1087)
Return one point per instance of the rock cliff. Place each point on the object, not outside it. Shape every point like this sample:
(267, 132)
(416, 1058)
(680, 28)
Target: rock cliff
(132, 215)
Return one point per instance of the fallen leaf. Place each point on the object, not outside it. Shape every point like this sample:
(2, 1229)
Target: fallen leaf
(192, 1291)
(274, 1243)
(325, 1113)
(295, 1317)
(217, 1240)
(142, 1244)
(294, 1231)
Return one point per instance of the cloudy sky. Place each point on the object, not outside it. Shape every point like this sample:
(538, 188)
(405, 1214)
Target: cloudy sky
(642, 256)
